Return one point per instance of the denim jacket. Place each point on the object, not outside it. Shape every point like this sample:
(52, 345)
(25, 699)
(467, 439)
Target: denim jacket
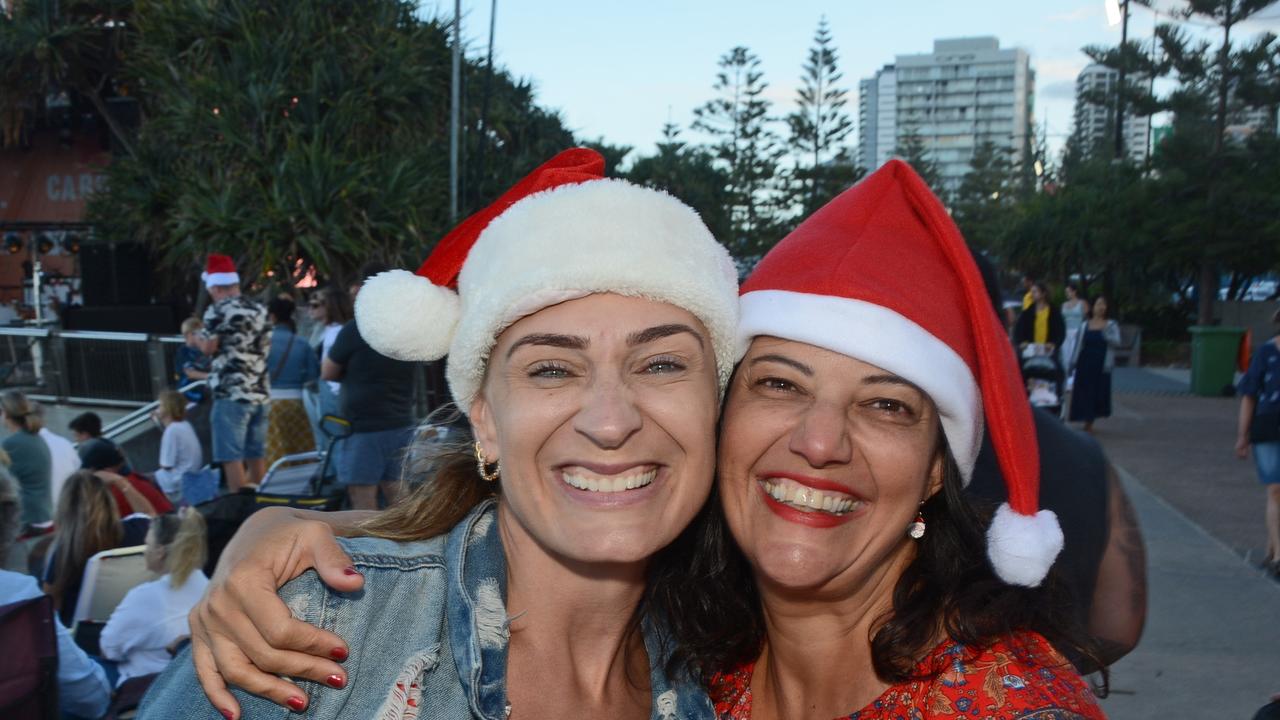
(428, 636)
(291, 363)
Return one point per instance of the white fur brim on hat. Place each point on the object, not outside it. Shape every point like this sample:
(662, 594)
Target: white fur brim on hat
(881, 337)
(220, 279)
(600, 236)
(1023, 547)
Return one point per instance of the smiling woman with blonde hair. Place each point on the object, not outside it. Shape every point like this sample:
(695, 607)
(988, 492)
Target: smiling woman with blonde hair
(588, 339)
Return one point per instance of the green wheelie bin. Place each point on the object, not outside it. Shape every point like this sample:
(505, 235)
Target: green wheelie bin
(1214, 350)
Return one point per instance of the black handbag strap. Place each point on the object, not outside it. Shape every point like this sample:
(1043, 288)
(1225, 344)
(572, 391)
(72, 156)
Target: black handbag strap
(285, 358)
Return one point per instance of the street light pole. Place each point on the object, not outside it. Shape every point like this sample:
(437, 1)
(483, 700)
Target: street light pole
(455, 103)
(1124, 39)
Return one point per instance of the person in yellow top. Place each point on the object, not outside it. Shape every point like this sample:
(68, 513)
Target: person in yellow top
(1040, 323)
(1028, 297)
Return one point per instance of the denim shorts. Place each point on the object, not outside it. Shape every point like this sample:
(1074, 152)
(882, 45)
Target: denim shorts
(239, 430)
(1266, 457)
(372, 457)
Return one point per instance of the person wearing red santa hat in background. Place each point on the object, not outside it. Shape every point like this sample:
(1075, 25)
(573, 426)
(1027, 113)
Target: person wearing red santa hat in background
(873, 363)
(237, 337)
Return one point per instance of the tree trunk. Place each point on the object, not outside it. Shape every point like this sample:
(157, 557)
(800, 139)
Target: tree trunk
(1207, 292)
(1208, 284)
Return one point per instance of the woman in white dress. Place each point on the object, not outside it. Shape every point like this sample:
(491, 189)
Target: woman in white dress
(1074, 311)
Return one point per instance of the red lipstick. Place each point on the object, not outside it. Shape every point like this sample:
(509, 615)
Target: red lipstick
(811, 519)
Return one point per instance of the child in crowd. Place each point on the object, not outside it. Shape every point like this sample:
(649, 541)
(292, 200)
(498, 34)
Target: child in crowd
(189, 362)
(180, 451)
(106, 459)
(85, 426)
(145, 627)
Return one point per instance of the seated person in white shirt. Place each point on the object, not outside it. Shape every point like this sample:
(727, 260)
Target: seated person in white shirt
(180, 451)
(152, 618)
(83, 690)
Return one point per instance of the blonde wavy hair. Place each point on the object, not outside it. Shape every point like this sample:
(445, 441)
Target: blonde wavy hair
(440, 484)
(183, 538)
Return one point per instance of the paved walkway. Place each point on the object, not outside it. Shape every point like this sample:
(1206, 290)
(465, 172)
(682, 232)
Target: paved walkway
(1211, 648)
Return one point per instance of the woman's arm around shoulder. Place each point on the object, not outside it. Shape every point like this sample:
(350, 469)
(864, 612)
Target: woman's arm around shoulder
(243, 634)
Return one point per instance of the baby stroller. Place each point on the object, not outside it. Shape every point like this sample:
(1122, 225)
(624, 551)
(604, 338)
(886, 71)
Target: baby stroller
(1043, 376)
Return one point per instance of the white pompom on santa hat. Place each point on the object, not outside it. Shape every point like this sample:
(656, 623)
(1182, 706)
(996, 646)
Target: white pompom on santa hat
(220, 270)
(563, 232)
(882, 274)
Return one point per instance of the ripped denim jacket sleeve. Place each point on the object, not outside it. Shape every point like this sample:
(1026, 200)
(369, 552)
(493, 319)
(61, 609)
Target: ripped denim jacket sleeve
(427, 634)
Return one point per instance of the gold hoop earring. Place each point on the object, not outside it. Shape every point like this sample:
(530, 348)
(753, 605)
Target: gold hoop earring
(482, 466)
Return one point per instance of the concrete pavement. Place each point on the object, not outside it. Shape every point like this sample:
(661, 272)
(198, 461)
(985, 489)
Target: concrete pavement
(1211, 648)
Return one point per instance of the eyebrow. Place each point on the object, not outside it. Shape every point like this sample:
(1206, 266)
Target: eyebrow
(783, 359)
(570, 342)
(657, 332)
(888, 379)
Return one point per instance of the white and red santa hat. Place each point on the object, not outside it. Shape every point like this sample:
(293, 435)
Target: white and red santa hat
(882, 274)
(563, 232)
(220, 270)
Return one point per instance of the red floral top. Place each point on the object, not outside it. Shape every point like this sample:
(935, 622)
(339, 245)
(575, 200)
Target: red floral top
(1020, 677)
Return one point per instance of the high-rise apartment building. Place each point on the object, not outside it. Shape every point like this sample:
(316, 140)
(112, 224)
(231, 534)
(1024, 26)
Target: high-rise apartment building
(877, 118)
(966, 92)
(1095, 123)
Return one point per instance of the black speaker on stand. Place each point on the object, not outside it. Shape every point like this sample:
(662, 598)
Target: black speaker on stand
(115, 274)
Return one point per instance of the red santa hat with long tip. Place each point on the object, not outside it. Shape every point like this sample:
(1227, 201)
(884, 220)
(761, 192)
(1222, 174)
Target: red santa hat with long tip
(563, 232)
(882, 274)
(220, 270)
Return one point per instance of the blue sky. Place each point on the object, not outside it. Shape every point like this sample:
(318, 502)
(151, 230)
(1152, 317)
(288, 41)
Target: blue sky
(621, 69)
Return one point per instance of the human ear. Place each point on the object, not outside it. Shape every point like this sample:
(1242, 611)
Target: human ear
(937, 472)
(483, 428)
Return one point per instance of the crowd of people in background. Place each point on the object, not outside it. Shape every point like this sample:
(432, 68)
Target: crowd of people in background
(1079, 338)
(266, 384)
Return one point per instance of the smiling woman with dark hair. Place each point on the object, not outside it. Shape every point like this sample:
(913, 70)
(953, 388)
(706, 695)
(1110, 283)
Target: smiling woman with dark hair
(874, 365)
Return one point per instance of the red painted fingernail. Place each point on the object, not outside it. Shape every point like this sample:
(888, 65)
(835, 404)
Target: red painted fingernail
(350, 570)
(297, 703)
(339, 654)
(227, 714)
(337, 682)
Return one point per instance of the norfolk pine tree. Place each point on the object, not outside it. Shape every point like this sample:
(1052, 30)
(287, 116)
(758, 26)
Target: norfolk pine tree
(818, 127)
(748, 150)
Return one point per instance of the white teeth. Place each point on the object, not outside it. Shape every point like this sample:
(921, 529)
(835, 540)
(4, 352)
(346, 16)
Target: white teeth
(807, 499)
(585, 480)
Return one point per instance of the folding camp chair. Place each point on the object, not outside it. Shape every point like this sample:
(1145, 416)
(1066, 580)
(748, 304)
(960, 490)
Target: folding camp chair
(29, 663)
(108, 577)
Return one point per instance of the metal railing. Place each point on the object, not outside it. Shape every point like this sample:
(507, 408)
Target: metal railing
(99, 368)
(120, 369)
(139, 435)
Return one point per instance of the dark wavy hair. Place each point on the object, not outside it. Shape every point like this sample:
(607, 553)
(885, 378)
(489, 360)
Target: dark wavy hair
(703, 586)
